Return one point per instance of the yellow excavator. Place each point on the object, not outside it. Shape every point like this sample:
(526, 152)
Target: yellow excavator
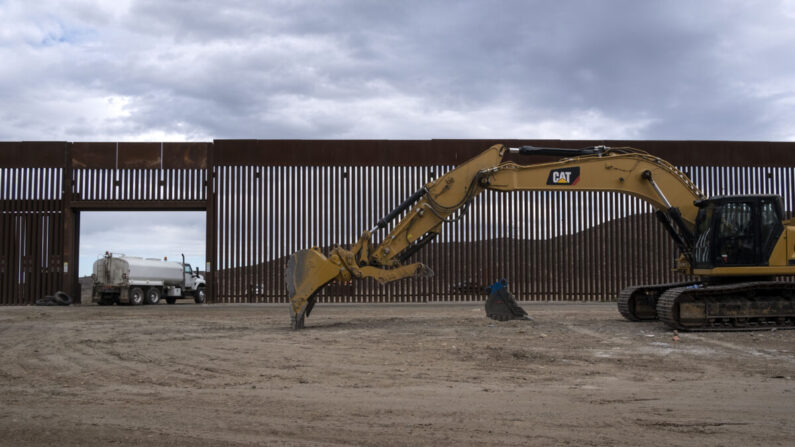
(733, 247)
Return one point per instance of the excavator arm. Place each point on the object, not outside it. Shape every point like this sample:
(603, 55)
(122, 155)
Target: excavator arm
(447, 198)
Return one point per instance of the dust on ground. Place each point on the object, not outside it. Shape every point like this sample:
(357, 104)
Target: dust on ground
(229, 375)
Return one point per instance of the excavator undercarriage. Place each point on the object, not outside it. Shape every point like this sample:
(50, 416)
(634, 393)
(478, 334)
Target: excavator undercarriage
(733, 246)
(639, 303)
(744, 306)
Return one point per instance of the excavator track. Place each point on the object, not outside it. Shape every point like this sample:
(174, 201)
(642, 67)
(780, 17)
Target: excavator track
(746, 306)
(639, 303)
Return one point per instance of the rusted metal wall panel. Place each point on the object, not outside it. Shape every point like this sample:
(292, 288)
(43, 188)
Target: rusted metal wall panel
(31, 242)
(94, 155)
(185, 155)
(139, 155)
(32, 154)
(453, 152)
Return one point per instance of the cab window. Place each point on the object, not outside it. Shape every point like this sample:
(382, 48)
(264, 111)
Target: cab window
(187, 269)
(701, 250)
(769, 227)
(736, 235)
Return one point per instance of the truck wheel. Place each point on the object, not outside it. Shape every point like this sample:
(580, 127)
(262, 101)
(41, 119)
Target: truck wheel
(200, 297)
(171, 300)
(153, 295)
(136, 296)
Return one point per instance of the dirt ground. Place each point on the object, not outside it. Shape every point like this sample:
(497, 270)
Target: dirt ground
(218, 375)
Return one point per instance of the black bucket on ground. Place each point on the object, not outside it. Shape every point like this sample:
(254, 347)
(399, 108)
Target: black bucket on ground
(501, 305)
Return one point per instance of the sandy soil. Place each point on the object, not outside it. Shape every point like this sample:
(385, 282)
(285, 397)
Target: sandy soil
(384, 375)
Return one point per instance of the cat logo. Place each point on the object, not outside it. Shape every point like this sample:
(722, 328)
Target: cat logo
(564, 177)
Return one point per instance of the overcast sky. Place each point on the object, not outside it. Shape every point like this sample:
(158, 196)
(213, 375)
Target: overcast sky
(152, 234)
(196, 70)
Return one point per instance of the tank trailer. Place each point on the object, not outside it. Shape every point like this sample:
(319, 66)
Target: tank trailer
(134, 280)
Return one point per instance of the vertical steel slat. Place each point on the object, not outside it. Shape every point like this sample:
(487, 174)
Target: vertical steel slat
(262, 211)
(25, 237)
(37, 234)
(592, 254)
(532, 243)
(613, 251)
(549, 254)
(230, 260)
(278, 237)
(505, 258)
(519, 222)
(539, 226)
(227, 232)
(145, 184)
(570, 280)
(47, 237)
(554, 222)
(43, 234)
(248, 283)
(19, 235)
(13, 248)
(394, 290)
(57, 225)
(269, 232)
(545, 248)
(535, 247)
(32, 239)
(578, 250)
(266, 210)
(280, 191)
(563, 219)
(33, 231)
(332, 218)
(238, 234)
(254, 241)
(220, 231)
(493, 261)
(7, 235)
(285, 199)
(609, 242)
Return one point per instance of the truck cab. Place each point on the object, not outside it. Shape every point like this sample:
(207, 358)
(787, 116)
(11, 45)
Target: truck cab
(194, 281)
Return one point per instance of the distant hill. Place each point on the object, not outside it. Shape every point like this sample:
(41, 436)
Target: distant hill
(593, 264)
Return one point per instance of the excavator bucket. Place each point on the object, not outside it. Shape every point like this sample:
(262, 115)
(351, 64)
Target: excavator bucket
(501, 305)
(307, 272)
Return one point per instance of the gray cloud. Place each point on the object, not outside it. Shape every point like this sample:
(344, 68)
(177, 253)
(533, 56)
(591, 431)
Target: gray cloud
(197, 70)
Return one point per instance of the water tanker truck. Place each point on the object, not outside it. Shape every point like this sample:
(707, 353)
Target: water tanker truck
(134, 280)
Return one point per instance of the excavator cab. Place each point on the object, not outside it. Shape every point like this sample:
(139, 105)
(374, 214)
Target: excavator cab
(734, 231)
